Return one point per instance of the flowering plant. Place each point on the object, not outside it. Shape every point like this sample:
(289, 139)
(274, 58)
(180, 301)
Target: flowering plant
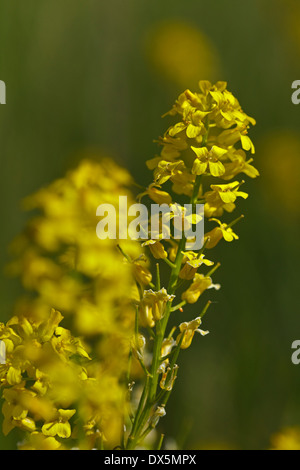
(75, 386)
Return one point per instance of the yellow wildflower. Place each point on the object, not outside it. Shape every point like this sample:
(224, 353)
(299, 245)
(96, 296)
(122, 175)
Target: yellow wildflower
(187, 331)
(208, 160)
(60, 426)
(152, 306)
(192, 261)
(216, 234)
(156, 248)
(222, 197)
(158, 196)
(199, 285)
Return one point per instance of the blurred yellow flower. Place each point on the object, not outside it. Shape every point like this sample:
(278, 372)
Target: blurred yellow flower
(181, 52)
(286, 439)
(62, 264)
(279, 160)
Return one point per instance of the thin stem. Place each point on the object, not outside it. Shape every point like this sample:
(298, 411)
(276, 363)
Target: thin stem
(150, 390)
(213, 270)
(159, 445)
(157, 277)
(169, 263)
(178, 306)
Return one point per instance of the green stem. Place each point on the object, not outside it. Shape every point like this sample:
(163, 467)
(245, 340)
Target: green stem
(150, 390)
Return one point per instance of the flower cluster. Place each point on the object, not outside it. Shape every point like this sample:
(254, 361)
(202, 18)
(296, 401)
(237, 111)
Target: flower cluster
(79, 391)
(41, 378)
(202, 155)
(63, 265)
(209, 140)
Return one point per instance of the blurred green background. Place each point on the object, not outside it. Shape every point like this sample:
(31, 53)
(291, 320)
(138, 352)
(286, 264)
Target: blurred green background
(95, 77)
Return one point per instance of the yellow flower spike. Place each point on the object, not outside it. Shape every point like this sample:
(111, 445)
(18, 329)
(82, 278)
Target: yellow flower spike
(209, 138)
(48, 374)
(187, 330)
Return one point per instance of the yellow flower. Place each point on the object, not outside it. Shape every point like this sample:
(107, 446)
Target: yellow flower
(37, 441)
(187, 331)
(152, 306)
(228, 110)
(158, 196)
(141, 273)
(287, 439)
(222, 197)
(181, 53)
(166, 348)
(208, 161)
(60, 426)
(231, 136)
(213, 237)
(229, 192)
(62, 263)
(166, 170)
(203, 142)
(239, 164)
(199, 285)
(14, 410)
(192, 261)
(156, 248)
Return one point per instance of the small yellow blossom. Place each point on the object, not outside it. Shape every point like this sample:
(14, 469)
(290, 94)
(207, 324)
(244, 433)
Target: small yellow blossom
(209, 160)
(38, 441)
(216, 234)
(152, 306)
(158, 196)
(140, 272)
(192, 261)
(60, 426)
(222, 197)
(199, 285)
(187, 331)
(156, 248)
